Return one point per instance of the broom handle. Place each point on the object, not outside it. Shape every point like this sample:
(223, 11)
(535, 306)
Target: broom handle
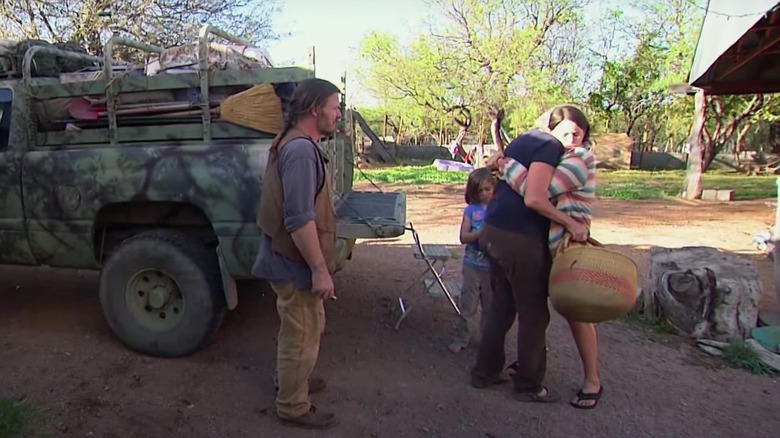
(214, 111)
(150, 109)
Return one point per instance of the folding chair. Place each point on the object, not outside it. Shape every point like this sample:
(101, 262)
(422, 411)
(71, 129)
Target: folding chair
(431, 254)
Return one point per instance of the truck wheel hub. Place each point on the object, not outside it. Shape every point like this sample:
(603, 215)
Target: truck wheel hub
(154, 299)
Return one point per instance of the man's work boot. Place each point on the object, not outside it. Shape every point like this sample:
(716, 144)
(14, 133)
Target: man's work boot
(312, 420)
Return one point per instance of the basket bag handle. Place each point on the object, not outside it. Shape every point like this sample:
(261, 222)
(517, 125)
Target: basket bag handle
(566, 241)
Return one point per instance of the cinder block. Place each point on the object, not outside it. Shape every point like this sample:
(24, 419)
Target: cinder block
(709, 195)
(725, 195)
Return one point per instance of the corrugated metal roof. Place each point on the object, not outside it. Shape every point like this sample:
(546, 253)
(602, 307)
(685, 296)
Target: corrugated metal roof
(738, 50)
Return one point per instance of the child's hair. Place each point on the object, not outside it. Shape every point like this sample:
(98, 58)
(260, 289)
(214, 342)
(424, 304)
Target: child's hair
(476, 178)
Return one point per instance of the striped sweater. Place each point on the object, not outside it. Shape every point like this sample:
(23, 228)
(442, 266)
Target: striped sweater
(572, 189)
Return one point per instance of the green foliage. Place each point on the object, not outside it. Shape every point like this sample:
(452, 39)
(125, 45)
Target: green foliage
(412, 175)
(527, 55)
(741, 355)
(622, 184)
(14, 418)
(643, 321)
(161, 22)
(632, 95)
(477, 58)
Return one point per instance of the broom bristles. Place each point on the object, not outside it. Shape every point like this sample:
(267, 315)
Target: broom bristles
(258, 108)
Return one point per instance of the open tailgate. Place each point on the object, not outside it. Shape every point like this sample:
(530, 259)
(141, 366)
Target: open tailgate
(371, 215)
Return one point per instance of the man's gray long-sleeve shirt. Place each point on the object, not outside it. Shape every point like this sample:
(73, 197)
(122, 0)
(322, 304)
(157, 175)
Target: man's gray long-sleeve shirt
(302, 173)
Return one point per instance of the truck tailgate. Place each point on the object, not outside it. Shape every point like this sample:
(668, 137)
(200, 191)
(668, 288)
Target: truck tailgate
(370, 215)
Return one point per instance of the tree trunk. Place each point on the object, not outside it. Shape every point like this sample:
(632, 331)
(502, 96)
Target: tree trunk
(495, 129)
(481, 139)
(384, 128)
(457, 144)
(653, 135)
(726, 125)
(702, 292)
(774, 138)
(464, 122)
(692, 185)
(740, 143)
(710, 150)
(630, 126)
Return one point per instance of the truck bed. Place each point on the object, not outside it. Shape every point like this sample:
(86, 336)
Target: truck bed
(369, 215)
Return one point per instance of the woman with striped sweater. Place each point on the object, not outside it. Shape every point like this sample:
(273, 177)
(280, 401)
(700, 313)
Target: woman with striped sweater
(571, 193)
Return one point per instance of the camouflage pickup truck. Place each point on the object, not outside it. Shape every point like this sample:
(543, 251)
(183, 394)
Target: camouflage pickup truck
(164, 205)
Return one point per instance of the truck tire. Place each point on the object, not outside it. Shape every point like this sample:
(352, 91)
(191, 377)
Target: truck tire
(162, 294)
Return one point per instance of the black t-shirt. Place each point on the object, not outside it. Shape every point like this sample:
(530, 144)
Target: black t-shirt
(508, 210)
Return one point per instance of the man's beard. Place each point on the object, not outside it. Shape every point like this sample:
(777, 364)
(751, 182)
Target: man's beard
(324, 127)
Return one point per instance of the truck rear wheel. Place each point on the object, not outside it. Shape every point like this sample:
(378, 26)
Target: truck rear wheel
(161, 293)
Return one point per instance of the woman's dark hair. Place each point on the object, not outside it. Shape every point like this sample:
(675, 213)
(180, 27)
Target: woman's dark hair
(309, 94)
(476, 178)
(568, 112)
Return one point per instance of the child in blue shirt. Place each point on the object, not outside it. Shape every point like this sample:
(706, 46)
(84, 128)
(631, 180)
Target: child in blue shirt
(476, 269)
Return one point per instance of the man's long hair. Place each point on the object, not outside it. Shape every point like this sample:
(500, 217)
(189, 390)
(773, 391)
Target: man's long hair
(309, 94)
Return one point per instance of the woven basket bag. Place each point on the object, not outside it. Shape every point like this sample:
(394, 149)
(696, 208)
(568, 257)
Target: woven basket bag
(589, 283)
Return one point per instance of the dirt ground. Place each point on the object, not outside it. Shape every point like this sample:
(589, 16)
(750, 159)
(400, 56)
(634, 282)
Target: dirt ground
(57, 352)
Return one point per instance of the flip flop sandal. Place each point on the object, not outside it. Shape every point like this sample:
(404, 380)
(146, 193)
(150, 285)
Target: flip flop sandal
(585, 396)
(549, 397)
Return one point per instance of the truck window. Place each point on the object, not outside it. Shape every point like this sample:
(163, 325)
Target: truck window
(6, 98)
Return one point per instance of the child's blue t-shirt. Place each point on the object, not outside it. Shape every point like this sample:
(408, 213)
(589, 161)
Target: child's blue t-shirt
(474, 257)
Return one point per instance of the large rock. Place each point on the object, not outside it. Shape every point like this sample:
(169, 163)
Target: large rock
(612, 150)
(703, 293)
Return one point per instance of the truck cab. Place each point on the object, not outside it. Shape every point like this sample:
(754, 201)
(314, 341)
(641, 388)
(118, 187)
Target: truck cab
(95, 173)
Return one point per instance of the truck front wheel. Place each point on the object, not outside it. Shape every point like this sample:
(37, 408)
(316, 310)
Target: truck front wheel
(161, 293)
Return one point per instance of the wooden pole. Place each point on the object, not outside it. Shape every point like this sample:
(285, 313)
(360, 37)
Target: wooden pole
(692, 185)
(775, 237)
(312, 61)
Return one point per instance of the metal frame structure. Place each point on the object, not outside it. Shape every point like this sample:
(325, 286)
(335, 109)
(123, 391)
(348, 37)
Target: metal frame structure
(738, 53)
(112, 85)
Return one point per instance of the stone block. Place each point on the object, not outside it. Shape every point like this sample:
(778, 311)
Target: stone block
(709, 195)
(725, 195)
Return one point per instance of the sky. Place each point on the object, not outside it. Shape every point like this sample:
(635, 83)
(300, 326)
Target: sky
(335, 28)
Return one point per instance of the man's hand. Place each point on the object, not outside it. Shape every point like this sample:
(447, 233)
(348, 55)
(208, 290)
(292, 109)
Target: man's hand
(308, 244)
(322, 283)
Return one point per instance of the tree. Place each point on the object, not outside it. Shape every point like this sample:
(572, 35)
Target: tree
(422, 73)
(510, 48)
(161, 22)
(658, 39)
(728, 116)
(476, 57)
(631, 86)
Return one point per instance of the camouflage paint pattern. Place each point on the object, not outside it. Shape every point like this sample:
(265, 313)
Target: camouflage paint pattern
(68, 182)
(67, 197)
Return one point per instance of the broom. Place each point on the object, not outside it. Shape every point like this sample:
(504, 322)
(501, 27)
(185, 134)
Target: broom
(257, 108)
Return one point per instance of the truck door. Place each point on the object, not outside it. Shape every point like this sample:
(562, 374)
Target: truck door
(14, 246)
